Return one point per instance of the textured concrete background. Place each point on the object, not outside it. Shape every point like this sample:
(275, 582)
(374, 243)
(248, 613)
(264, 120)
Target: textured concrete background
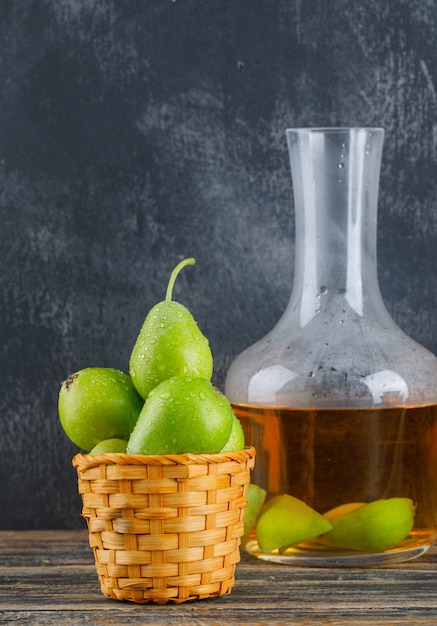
(133, 134)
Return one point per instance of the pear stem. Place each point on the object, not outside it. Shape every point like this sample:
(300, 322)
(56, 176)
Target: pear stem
(174, 275)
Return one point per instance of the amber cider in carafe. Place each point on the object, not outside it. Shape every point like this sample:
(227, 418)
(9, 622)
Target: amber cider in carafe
(329, 457)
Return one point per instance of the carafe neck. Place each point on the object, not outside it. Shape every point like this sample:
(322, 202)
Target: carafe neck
(335, 175)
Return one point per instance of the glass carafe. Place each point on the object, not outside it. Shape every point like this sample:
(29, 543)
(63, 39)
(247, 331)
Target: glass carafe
(340, 403)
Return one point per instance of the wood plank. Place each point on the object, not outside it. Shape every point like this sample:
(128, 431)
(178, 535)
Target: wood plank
(49, 577)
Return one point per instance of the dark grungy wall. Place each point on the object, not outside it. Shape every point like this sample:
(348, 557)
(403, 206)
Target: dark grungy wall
(133, 134)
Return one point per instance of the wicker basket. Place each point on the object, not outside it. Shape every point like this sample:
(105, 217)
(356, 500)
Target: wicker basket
(165, 527)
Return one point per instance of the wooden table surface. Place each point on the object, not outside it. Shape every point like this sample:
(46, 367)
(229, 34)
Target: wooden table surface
(48, 577)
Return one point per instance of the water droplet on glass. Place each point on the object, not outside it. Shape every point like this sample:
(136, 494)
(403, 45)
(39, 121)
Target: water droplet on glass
(341, 165)
(311, 374)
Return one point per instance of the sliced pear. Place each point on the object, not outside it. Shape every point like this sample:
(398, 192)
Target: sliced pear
(285, 521)
(375, 526)
(255, 497)
(341, 510)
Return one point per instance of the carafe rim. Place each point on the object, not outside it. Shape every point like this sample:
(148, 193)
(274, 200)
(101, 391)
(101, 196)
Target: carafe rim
(332, 129)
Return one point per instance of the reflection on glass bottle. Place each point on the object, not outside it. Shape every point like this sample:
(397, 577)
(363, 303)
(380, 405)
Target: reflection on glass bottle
(338, 400)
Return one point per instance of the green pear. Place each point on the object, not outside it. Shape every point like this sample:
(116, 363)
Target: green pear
(375, 526)
(182, 414)
(109, 445)
(236, 438)
(169, 344)
(255, 497)
(98, 403)
(285, 521)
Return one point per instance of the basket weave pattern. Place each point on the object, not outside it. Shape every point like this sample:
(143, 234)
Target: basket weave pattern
(165, 527)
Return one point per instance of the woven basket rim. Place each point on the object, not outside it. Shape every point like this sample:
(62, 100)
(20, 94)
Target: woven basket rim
(120, 458)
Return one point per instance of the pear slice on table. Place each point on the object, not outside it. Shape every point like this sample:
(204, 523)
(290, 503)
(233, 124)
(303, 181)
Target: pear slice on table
(375, 526)
(285, 521)
(341, 510)
(255, 497)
